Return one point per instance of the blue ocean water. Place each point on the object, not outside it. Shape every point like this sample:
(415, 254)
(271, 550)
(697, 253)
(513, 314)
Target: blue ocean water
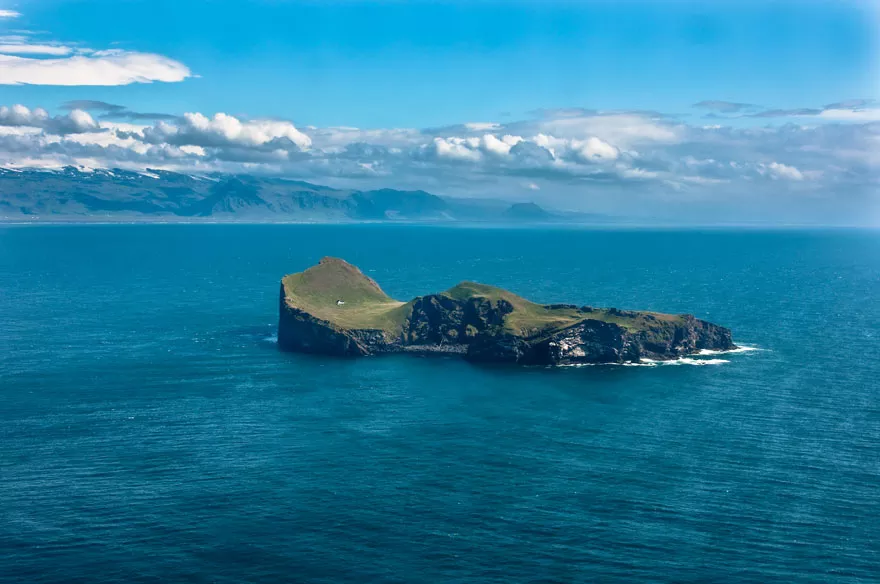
(150, 430)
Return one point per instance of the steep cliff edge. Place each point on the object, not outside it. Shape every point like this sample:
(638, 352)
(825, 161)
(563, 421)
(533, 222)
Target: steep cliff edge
(333, 308)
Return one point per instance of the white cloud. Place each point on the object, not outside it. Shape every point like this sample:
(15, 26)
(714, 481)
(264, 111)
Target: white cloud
(73, 67)
(23, 48)
(778, 170)
(481, 126)
(69, 66)
(702, 180)
(198, 130)
(104, 138)
(112, 67)
(596, 149)
(638, 173)
(501, 147)
(454, 148)
(19, 115)
(36, 163)
(19, 130)
(74, 122)
(851, 115)
(338, 137)
(249, 133)
(623, 130)
(194, 150)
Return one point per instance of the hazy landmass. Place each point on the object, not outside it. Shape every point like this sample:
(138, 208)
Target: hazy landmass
(73, 195)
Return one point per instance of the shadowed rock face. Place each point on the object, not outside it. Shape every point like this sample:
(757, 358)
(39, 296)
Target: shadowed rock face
(439, 319)
(480, 322)
(300, 331)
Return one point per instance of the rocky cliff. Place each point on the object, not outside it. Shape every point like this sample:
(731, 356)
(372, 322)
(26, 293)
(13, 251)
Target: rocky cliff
(334, 309)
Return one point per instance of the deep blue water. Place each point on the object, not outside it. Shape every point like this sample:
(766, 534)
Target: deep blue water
(150, 430)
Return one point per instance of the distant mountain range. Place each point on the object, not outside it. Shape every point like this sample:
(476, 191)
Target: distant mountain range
(73, 194)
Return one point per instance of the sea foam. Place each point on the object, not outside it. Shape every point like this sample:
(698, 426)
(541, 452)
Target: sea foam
(653, 363)
(739, 349)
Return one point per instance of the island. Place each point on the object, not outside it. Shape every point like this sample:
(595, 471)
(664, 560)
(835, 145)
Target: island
(333, 308)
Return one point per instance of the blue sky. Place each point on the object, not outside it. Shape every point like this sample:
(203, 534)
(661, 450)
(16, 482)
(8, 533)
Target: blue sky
(633, 90)
(433, 63)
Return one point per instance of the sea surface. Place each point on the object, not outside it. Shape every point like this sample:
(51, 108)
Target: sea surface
(150, 430)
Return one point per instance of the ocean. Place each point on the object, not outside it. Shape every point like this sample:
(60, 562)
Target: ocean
(150, 430)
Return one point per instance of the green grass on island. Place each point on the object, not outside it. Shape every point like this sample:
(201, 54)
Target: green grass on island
(527, 318)
(366, 306)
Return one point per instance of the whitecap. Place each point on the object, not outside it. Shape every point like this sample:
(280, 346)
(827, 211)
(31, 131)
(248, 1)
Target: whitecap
(739, 349)
(650, 363)
(692, 361)
(643, 363)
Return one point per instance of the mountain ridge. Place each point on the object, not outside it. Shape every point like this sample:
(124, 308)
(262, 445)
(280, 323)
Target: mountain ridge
(74, 194)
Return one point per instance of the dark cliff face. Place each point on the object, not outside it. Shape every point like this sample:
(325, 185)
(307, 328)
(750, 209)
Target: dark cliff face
(301, 332)
(595, 341)
(439, 319)
(475, 327)
(689, 337)
(591, 341)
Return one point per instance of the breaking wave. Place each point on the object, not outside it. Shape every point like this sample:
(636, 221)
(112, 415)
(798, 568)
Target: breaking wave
(740, 349)
(698, 359)
(692, 361)
(652, 363)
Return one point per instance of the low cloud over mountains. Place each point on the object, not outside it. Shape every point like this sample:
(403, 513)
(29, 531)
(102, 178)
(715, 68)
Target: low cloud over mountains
(575, 158)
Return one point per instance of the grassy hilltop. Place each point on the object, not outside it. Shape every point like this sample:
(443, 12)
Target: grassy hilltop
(367, 306)
(317, 289)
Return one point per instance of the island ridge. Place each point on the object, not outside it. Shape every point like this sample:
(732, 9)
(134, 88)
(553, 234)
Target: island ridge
(334, 309)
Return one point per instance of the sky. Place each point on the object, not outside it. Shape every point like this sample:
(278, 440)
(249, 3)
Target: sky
(715, 112)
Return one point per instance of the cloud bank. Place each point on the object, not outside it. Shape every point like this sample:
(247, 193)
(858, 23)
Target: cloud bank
(76, 121)
(609, 162)
(859, 110)
(726, 107)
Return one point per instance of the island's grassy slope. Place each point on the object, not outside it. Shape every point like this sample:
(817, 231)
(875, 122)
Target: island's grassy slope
(527, 319)
(633, 320)
(530, 319)
(317, 289)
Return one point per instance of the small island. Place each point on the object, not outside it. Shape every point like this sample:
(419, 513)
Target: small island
(334, 309)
